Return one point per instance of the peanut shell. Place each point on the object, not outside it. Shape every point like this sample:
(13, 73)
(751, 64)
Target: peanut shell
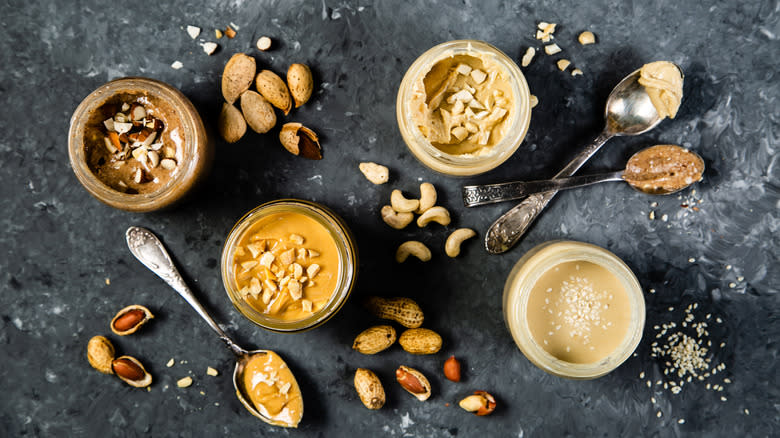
(100, 353)
(374, 339)
(129, 319)
(131, 371)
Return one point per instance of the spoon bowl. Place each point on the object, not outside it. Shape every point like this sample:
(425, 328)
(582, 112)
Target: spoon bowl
(148, 249)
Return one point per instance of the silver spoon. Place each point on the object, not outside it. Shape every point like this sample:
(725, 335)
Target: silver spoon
(629, 111)
(147, 248)
(643, 175)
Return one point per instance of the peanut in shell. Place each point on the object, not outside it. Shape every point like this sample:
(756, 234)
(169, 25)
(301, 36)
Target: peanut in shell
(420, 341)
(374, 339)
(400, 309)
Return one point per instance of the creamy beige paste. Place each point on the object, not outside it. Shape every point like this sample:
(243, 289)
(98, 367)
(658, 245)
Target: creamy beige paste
(663, 82)
(464, 104)
(578, 312)
(663, 169)
(272, 389)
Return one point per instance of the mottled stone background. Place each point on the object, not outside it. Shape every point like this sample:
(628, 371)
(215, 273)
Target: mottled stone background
(58, 245)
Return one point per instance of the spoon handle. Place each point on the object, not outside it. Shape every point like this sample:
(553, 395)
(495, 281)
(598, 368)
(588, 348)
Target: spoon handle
(492, 193)
(510, 227)
(147, 248)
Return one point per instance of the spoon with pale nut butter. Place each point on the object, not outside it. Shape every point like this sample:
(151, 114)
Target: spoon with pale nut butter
(269, 407)
(657, 170)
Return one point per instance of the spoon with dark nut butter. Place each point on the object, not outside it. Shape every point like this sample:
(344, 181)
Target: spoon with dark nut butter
(274, 396)
(657, 170)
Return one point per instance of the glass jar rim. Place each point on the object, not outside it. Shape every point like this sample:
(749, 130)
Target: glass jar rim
(341, 235)
(527, 272)
(187, 115)
(430, 155)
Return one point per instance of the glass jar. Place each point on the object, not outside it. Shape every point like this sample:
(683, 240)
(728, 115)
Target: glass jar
(194, 157)
(466, 164)
(347, 263)
(528, 271)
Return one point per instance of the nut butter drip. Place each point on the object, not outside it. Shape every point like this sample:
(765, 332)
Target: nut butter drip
(271, 387)
(663, 82)
(464, 104)
(663, 169)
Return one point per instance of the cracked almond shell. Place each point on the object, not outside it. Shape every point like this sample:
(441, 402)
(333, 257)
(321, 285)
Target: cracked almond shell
(258, 112)
(238, 76)
(300, 140)
(231, 124)
(131, 371)
(273, 88)
(128, 320)
(100, 354)
(301, 83)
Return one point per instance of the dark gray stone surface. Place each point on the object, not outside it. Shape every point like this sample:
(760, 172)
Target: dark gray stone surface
(59, 245)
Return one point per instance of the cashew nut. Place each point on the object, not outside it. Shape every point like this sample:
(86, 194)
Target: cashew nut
(436, 214)
(427, 197)
(401, 204)
(415, 248)
(394, 219)
(452, 246)
(376, 173)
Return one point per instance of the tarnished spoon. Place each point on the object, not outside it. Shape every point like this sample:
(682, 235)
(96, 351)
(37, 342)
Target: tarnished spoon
(629, 111)
(147, 248)
(652, 170)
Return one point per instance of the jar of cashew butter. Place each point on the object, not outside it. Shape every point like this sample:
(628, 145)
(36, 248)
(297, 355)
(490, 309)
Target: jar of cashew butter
(574, 309)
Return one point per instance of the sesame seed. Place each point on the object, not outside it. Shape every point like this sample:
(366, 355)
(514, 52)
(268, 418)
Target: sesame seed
(671, 309)
(652, 399)
(691, 260)
(642, 375)
(732, 285)
(659, 414)
(681, 421)
(727, 380)
(747, 411)
(728, 267)
(723, 399)
(649, 384)
(652, 291)
(740, 278)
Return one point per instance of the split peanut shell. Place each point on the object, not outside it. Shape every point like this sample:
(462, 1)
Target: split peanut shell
(100, 354)
(301, 84)
(128, 320)
(131, 371)
(300, 140)
(238, 76)
(258, 112)
(272, 87)
(231, 124)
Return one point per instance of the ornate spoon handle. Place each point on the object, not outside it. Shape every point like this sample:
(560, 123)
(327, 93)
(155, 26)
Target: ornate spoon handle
(510, 227)
(148, 249)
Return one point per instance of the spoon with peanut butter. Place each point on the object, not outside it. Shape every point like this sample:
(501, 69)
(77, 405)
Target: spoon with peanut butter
(657, 170)
(263, 382)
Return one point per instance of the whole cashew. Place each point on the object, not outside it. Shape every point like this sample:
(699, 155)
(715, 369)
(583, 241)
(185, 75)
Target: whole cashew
(401, 204)
(452, 246)
(436, 214)
(427, 197)
(415, 248)
(396, 220)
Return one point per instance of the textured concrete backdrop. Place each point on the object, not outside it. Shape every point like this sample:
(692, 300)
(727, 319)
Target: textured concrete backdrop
(58, 245)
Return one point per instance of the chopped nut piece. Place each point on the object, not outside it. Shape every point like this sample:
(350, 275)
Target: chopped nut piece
(230, 33)
(170, 363)
(534, 101)
(266, 259)
(168, 164)
(264, 43)
(209, 48)
(296, 239)
(271, 285)
(376, 173)
(249, 265)
(563, 64)
(193, 31)
(306, 305)
(184, 382)
(463, 69)
(312, 270)
(256, 248)
(551, 49)
(528, 57)
(254, 287)
(287, 257)
(212, 372)
(297, 271)
(586, 38)
(177, 65)
(460, 132)
(139, 176)
(301, 253)
(285, 388)
(218, 33)
(478, 76)
(267, 294)
(295, 288)
(154, 159)
(576, 72)
(312, 253)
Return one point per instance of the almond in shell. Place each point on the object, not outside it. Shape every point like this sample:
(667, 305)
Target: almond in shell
(258, 112)
(300, 140)
(301, 84)
(232, 125)
(237, 76)
(272, 87)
